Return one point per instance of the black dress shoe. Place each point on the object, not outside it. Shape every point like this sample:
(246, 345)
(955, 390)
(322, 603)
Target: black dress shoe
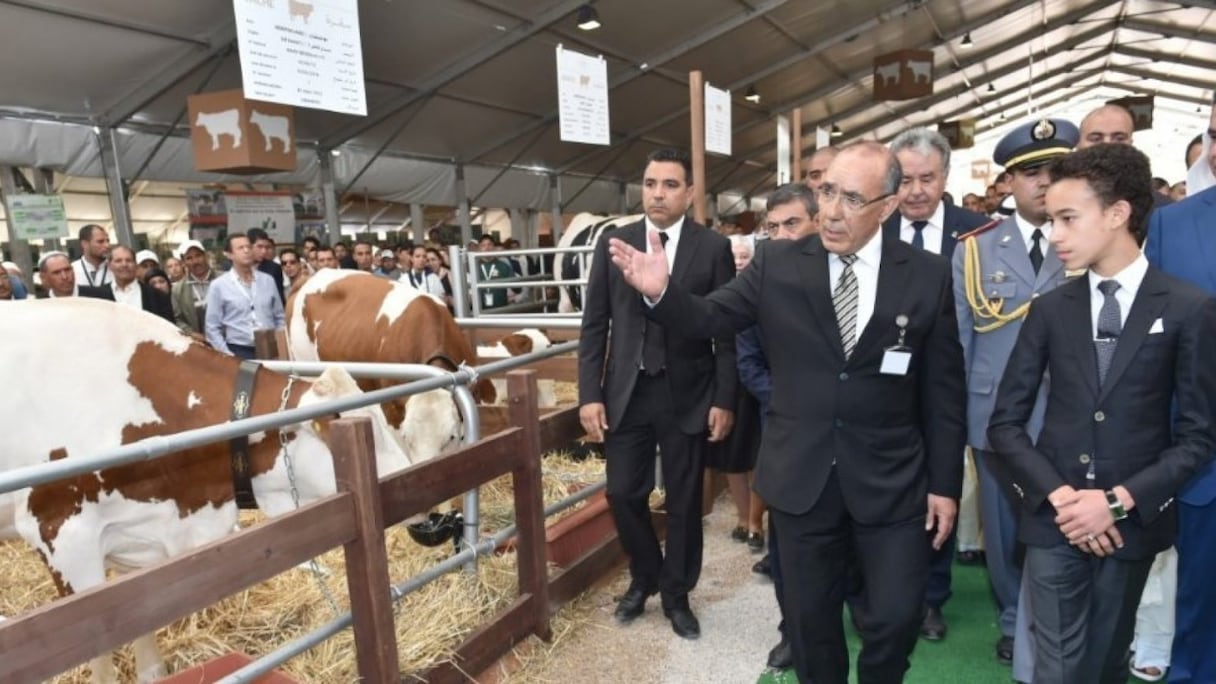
(933, 627)
(971, 557)
(632, 604)
(763, 566)
(755, 542)
(739, 534)
(1004, 650)
(683, 622)
(782, 655)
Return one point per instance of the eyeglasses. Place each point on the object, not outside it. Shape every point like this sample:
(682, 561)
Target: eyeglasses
(852, 201)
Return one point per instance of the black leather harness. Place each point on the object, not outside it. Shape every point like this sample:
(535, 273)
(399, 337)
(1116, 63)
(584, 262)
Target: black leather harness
(242, 402)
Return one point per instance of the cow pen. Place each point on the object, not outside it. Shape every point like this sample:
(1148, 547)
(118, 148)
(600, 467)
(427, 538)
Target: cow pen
(95, 621)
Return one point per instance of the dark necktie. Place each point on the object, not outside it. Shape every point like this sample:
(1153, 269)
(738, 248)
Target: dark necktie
(844, 299)
(653, 346)
(918, 235)
(1036, 251)
(1110, 325)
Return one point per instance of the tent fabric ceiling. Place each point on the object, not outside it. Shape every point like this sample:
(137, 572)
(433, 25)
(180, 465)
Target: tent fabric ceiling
(479, 78)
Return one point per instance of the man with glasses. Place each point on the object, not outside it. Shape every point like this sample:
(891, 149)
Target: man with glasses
(869, 458)
(293, 268)
(998, 271)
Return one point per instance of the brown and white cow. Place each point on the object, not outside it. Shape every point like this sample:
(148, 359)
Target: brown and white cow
(87, 375)
(584, 229)
(519, 343)
(342, 315)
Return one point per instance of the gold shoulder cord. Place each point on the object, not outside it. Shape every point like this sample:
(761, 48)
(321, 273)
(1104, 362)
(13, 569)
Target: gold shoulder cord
(982, 307)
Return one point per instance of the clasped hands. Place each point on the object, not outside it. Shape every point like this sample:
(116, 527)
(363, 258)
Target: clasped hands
(1084, 518)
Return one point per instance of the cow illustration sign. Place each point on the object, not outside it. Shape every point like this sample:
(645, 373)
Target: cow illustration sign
(233, 135)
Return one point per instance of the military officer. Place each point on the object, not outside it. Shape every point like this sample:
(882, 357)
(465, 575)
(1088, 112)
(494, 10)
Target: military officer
(998, 271)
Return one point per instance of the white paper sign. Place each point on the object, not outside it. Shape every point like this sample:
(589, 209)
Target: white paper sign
(582, 98)
(717, 120)
(823, 137)
(305, 53)
(783, 150)
(37, 217)
(272, 213)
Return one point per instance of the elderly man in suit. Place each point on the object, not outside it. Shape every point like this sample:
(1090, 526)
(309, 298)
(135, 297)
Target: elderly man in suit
(1131, 417)
(128, 290)
(1181, 242)
(643, 384)
(927, 221)
(998, 271)
(866, 423)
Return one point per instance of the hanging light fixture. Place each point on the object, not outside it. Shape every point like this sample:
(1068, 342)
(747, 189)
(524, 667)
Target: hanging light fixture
(752, 96)
(588, 18)
(966, 40)
(836, 132)
(991, 88)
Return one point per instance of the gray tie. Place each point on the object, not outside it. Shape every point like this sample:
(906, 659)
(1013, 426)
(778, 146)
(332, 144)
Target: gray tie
(845, 301)
(1110, 325)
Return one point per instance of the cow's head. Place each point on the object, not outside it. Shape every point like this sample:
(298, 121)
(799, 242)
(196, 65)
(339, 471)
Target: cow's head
(312, 461)
(525, 341)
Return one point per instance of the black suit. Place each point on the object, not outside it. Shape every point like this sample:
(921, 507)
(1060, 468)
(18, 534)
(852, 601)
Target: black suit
(151, 300)
(848, 455)
(275, 271)
(957, 221)
(670, 408)
(1123, 429)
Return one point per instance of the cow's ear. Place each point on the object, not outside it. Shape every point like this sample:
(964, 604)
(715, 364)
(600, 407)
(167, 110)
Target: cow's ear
(517, 345)
(484, 391)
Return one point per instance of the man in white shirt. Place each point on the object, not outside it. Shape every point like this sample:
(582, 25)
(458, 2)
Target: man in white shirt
(58, 276)
(93, 268)
(241, 302)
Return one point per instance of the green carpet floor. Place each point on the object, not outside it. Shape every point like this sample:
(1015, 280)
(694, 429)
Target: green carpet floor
(966, 656)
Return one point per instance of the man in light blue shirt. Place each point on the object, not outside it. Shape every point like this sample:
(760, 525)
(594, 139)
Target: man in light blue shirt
(240, 302)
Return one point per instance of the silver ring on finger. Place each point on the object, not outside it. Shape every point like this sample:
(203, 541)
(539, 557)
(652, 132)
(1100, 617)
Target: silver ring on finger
(1090, 538)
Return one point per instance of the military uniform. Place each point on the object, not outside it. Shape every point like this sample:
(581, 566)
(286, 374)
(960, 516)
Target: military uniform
(995, 283)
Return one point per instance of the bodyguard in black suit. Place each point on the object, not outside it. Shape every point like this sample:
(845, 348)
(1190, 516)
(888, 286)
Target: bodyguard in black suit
(866, 423)
(640, 384)
(1129, 417)
(927, 221)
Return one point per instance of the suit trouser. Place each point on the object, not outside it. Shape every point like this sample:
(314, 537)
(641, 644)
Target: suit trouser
(1084, 613)
(1194, 655)
(894, 561)
(630, 453)
(1000, 543)
(774, 562)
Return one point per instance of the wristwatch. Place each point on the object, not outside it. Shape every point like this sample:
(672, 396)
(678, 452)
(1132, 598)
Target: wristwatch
(1116, 507)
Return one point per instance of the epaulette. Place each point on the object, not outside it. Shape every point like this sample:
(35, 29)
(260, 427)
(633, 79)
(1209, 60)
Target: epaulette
(982, 229)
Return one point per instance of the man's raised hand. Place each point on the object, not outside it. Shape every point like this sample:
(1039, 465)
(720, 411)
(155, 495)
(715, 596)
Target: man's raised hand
(645, 272)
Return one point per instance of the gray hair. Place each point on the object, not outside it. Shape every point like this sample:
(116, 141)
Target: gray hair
(794, 192)
(923, 141)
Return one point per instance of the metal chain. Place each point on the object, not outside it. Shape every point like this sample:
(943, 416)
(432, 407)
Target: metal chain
(318, 573)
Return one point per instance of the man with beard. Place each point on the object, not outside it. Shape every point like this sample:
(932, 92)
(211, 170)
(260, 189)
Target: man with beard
(93, 268)
(189, 295)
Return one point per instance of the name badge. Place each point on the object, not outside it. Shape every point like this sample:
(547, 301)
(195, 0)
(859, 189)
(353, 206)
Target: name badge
(895, 361)
(488, 298)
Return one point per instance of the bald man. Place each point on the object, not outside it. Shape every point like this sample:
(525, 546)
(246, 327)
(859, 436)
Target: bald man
(1109, 123)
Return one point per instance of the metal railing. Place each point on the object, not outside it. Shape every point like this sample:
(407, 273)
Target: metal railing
(466, 277)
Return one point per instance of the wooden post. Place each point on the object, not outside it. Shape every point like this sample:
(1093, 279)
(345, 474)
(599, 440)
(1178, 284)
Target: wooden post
(265, 344)
(371, 602)
(696, 111)
(796, 146)
(529, 503)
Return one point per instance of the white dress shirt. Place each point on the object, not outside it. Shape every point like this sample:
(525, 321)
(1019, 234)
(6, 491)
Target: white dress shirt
(673, 239)
(130, 295)
(1129, 284)
(865, 269)
(86, 274)
(931, 233)
(1027, 228)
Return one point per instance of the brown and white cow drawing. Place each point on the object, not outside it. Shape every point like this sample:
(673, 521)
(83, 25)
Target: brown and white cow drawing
(87, 375)
(342, 315)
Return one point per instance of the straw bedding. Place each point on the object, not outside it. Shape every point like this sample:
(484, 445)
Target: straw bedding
(430, 623)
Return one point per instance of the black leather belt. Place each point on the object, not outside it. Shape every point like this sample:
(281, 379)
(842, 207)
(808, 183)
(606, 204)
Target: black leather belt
(238, 447)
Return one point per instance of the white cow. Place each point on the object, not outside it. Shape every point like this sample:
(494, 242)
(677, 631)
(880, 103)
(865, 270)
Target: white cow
(273, 128)
(94, 376)
(518, 343)
(921, 70)
(226, 122)
(889, 74)
(584, 229)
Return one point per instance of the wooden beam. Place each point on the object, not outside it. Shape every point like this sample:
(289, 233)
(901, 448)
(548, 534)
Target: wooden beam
(696, 114)
(530, 550)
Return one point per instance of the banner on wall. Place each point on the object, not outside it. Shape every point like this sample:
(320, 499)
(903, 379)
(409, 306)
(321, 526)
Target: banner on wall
(37, 217)
(286, 216)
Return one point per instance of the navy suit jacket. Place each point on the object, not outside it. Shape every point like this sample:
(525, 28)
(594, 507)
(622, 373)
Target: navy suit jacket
(958, 222)
(1182, 242)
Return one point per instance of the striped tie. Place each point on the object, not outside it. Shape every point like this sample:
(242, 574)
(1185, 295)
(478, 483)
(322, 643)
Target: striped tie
(845, 301)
